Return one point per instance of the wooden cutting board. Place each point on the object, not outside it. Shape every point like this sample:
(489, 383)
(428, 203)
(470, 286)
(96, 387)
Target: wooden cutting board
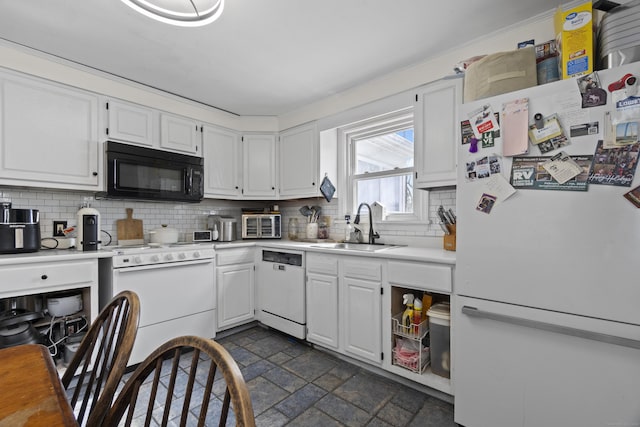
(130, 230)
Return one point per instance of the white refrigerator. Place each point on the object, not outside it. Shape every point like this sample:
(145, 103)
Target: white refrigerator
(546, 320)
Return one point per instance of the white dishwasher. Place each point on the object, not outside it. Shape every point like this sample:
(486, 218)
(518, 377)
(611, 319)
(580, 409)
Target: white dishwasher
(281, 291)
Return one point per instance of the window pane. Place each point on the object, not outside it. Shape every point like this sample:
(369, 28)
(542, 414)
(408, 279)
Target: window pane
(394, 192)
(384, 152)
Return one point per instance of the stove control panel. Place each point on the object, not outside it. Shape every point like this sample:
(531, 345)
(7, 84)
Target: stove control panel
(149, 256)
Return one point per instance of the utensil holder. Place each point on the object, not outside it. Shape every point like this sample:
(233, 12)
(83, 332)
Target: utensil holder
(312, 230)
(449, 240)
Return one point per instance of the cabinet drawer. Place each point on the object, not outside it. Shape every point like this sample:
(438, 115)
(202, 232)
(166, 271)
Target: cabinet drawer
(361, 268)
(38, 277)
(430, 277)
(235, 256)
(323, 264)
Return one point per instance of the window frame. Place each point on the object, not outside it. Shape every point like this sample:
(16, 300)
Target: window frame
(374, 126)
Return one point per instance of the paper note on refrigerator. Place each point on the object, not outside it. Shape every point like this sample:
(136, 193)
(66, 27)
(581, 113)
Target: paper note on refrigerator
(515, 126)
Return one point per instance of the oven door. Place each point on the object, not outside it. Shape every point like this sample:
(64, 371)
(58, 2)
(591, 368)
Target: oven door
(168, 291)
(176, 299)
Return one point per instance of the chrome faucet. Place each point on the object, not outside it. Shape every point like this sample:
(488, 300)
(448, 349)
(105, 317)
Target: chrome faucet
(372, 234)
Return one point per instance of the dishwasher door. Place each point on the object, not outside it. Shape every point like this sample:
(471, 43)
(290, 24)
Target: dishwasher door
(281, 291)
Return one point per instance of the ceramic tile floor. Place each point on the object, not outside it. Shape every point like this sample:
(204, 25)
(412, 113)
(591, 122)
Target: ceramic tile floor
(292, 384)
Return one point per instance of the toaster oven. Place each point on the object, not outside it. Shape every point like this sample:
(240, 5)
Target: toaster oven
(261, 226)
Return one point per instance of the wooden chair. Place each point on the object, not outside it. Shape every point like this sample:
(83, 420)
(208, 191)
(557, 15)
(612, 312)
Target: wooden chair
(143, 398)
(102, 357)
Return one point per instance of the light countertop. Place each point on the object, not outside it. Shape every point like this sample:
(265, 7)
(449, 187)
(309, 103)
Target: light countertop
(406, 253)
(53, 255)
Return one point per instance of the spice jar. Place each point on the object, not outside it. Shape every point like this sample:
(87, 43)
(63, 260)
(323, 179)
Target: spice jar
(293, 228)
(323, 230)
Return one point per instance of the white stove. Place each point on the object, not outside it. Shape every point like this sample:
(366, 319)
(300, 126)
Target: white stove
(175, 284)
(139, 255)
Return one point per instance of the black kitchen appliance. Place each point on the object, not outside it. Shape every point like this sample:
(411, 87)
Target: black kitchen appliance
(19, 230)
(145, 173)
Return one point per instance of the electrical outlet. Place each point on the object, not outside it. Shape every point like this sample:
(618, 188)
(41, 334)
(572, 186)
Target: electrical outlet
(58, 228)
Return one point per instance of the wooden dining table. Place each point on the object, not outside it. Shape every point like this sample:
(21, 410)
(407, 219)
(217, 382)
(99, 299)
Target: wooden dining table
(31, 393)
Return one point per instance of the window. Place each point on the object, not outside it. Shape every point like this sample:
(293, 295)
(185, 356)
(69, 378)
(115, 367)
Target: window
(380, 165)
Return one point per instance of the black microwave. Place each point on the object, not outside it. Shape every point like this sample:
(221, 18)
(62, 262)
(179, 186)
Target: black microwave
(145, 173)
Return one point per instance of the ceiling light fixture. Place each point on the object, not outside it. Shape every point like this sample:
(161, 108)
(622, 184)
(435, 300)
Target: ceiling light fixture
(184, 13)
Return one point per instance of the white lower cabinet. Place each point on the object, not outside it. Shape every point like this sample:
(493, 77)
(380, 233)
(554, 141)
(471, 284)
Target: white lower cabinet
(322, 317)
(322, 300)
(343, 305)
(361, 310)
(235, 279)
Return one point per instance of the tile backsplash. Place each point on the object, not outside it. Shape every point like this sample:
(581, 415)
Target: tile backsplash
(60, 205)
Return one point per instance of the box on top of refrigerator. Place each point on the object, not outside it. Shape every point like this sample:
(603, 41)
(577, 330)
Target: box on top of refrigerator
(574, 38)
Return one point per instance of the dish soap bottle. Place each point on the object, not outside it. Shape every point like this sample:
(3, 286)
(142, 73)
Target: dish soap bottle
(348, 230)
(417, 316)
(407, 316)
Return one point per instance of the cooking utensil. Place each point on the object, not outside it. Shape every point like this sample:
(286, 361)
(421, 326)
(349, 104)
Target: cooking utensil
(130, 230)
(305, 210)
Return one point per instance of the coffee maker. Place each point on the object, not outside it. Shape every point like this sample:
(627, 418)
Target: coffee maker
(19, 229)
(88, 229)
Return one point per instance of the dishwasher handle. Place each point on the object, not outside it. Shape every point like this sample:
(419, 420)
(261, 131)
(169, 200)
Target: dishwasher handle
(280, 267)
(550, 327)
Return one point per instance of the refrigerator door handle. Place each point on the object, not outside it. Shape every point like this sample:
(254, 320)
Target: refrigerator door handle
(550, 327)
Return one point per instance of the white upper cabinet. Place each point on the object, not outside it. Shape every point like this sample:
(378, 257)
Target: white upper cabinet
(179, 134)
(222, 162)
(437, 133)
(305, 159)
(129, 123)
(299, 162)
(259, 166)
(48, 134)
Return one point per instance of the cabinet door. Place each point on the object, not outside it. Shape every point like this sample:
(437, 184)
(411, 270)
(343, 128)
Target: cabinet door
(299, 162)
(179, 134)
(221, 152)
(362, 319)
(259, 166)
(235, 284)
(437, 133)
(48, 135)
(129, 123)
(322, 310)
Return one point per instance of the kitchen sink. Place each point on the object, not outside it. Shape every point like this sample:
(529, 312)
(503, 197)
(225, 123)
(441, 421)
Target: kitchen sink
(365, 247)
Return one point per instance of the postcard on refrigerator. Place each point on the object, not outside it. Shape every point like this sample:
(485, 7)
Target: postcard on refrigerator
(633, 196)
(528, 173)
(562, 167)
(486, 203)
(627, 108)
(498, 186)
(482, 120)
(515, 124)
(614, 166)
(483, 167)
(550, 136)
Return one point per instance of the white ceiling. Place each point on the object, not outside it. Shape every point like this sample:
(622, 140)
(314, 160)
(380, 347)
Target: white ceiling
(262, 57)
